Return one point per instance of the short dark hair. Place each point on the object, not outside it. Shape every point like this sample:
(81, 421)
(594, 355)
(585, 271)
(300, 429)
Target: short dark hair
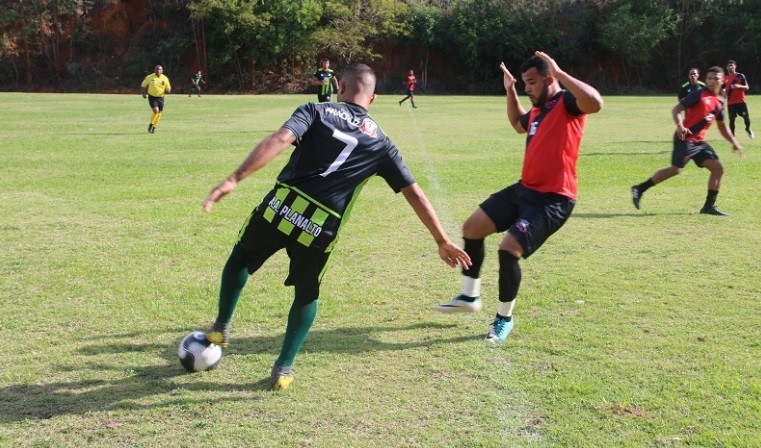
(361, 74)
(535, 62)
(716, 69)
(730, 61)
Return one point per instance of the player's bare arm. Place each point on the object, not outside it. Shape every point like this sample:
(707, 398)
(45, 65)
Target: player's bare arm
(514, 108)
(588, 99)
(261, 155)
(727, 134)
(676, 113)
(449, 252)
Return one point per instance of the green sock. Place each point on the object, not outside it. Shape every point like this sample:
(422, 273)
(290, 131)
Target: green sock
(300, 321)
(234, 277)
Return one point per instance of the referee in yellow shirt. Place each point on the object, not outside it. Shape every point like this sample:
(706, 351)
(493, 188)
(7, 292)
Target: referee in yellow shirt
(156, 85)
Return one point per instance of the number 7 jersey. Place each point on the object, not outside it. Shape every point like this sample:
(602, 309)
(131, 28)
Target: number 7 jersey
(338, 148)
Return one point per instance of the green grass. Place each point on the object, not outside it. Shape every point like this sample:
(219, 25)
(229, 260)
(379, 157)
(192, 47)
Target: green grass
(634, 328)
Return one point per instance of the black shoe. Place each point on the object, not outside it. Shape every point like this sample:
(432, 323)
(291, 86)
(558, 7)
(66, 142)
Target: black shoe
(712, 211)
(400, 104)
(150, 128)
(153, 129)
(750, 134)
(636, 196)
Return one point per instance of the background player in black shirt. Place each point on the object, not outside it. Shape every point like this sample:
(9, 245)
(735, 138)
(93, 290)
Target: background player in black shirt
(338, 147)
(693, 83)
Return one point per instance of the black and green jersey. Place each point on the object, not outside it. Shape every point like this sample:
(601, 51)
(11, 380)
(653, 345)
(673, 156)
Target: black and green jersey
(326, 77)
(338, 148)
(197, 79)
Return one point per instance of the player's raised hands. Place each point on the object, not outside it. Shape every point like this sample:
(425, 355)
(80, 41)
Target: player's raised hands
(507, 78)
(551, 64)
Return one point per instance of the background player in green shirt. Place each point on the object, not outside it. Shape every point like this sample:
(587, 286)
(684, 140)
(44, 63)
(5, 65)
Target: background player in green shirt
(156, 85)
(196, 82)
(338, 147)
(326, 79)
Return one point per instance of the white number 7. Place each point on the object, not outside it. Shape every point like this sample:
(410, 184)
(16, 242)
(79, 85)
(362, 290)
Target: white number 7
(351, 143)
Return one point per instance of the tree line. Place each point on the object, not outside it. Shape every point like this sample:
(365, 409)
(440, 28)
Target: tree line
(620, 46)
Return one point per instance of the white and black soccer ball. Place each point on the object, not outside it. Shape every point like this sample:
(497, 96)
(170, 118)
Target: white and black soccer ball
(197, 354)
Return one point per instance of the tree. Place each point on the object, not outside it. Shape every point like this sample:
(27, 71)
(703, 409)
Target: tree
(633, 29)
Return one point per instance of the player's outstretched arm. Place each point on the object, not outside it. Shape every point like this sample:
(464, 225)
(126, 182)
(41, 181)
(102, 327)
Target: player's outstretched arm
(449, 252)
(588, 99)
(261, 155)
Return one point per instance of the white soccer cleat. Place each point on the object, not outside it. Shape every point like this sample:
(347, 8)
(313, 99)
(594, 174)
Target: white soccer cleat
(460, 304)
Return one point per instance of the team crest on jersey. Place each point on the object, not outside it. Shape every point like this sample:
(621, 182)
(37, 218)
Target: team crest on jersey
(369, 127)
(522, 226)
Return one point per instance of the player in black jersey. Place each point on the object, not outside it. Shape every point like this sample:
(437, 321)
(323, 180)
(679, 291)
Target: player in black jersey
(693, 83)
(338, 147)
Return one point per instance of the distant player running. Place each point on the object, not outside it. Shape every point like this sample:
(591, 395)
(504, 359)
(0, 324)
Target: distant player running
(196, 82)
(410, 81)
(701, 108)
(338, 148)
(735, 88)
(156, 85)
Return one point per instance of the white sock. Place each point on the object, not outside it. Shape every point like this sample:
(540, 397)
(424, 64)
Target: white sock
(506, 308)
(471, 287)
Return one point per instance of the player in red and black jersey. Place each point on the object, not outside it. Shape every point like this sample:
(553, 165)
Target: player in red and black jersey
(535, 207)
(338, 147)
(735, 87)
(701, 108)
(410, 83)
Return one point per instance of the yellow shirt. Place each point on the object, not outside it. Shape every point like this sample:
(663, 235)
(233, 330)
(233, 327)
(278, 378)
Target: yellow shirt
(157, 85)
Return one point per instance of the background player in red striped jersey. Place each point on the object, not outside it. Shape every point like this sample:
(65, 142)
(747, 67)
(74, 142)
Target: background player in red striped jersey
(410, 83)
(701, 108)
(535, 207)
(735, 87)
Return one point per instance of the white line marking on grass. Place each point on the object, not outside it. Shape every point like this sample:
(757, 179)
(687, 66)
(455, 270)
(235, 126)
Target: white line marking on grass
(437, 195)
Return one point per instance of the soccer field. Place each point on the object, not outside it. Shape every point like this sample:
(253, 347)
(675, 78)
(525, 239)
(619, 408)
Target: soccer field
(634, 328)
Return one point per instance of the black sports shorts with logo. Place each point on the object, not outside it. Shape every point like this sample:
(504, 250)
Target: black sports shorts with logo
(156, 101)
(740, 109)
(531, 216)
(699, 152)
(260, 240)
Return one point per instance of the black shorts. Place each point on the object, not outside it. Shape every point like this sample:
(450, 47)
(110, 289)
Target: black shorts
(699, 152)
(326, 98)
(531, 216)
(740, 109)
(410, 93)
(156, 101)
(259, 240)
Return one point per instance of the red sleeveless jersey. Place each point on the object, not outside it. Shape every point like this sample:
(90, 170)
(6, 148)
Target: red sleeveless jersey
(552, 145)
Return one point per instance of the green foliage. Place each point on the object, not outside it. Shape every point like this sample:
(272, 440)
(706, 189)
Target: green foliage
(627, 44)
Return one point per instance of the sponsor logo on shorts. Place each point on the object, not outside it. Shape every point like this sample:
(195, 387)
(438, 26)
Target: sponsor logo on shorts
(295, 218)
(522, 226)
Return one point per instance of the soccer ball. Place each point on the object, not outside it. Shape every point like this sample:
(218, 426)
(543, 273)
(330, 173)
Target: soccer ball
(197, 354)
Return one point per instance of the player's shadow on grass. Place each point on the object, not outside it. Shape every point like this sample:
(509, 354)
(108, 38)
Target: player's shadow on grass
(632, 214)
(626, 153)
(44, 400)
(349, 340)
